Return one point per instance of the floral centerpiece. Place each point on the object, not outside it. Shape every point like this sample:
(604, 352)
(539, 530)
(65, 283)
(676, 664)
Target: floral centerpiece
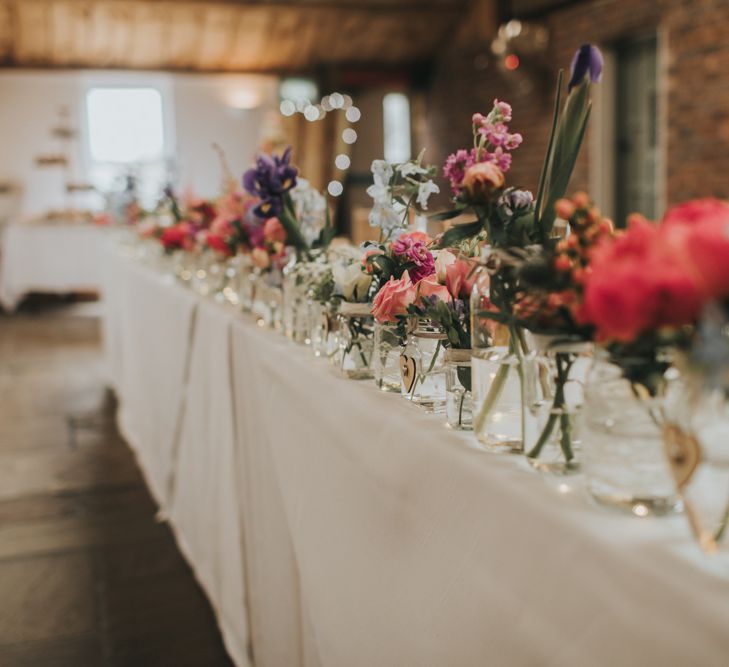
(644, 295)
(511, 220)
(295, 216)
(549, 306)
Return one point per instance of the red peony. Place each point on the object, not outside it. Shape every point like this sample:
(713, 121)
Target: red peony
(699, 230)
(179, 236)
(638, 282)
(217, 243)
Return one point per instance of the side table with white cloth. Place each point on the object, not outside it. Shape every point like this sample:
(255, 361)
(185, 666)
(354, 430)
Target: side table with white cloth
(331, 524)
(54, 258)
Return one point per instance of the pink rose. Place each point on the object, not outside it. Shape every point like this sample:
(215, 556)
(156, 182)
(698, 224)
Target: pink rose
(393, 299)
(273, 231)
(430, 286)
(221, 227)
(460, 276)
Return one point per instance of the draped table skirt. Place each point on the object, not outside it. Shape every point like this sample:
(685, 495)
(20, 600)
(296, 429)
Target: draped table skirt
(53, 258)
(331, 524)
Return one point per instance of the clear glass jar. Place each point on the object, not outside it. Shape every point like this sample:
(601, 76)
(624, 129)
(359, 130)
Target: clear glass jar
(183, 265)
(498, 360)
(555, 376)
(267, 300)
(697, 448)
(386, 360)
(422, 368)
(459, 400)
(498, 389)
(322, 323)
(623, 449)
(294, 314)
(354, 341)
(246, 286)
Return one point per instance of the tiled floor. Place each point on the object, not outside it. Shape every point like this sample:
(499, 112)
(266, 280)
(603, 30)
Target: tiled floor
(87, 576)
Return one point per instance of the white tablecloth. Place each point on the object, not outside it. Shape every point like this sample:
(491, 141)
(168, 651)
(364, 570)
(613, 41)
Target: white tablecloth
(48, 258)
(334, 525)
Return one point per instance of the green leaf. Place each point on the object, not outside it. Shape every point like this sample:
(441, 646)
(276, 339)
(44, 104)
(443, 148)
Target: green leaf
(447, 215)
(459, 233)
(568, 139)
(550, 146)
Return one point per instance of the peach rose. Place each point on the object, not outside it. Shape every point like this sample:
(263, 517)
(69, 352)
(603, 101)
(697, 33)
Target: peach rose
(273, 231)
(260, 258)
(460, 276)
(444, 259)
(482, 179)
(393, 299)
(430, 286)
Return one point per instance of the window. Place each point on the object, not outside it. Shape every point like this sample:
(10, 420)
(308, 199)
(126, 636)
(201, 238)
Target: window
(396, 127)
(125, 124)
(636, 132)
(126, 137)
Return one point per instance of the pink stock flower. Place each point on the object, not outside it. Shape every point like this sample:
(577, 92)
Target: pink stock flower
(393, 299)
(503, 109)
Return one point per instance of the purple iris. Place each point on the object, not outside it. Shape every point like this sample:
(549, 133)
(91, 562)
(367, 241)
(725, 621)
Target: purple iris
(587, 60)
(270, 180)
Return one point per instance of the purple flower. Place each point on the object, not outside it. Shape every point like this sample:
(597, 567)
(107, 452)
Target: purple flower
(587, 60)
(270, 180)
(514, 202)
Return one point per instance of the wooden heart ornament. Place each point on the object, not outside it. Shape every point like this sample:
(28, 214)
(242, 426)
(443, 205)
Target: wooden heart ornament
(684, 454)
(407, 371)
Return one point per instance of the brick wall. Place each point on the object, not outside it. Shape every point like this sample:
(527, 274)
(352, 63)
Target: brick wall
(693, 80)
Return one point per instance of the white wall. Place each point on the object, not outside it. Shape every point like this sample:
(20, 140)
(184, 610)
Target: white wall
(199, 112)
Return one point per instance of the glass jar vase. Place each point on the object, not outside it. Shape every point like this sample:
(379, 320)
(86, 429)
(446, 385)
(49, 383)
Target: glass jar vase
(459, 400)
(386, 359)
(696, 441)
(498, 366)
(555, 375)
(354, 341)
(422, 367)
(623, 449)
(322, 326)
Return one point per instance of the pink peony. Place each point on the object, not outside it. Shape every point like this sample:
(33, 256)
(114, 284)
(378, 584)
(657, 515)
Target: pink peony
(417, 253)
(273, 231)
(429, 286)
(460, 276)
(638, 282)
(393, 299)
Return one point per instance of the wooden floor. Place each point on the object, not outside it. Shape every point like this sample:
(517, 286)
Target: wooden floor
(87, 576)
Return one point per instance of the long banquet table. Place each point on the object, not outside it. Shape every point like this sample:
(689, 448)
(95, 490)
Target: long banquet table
(54, 258)
(334, 525)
